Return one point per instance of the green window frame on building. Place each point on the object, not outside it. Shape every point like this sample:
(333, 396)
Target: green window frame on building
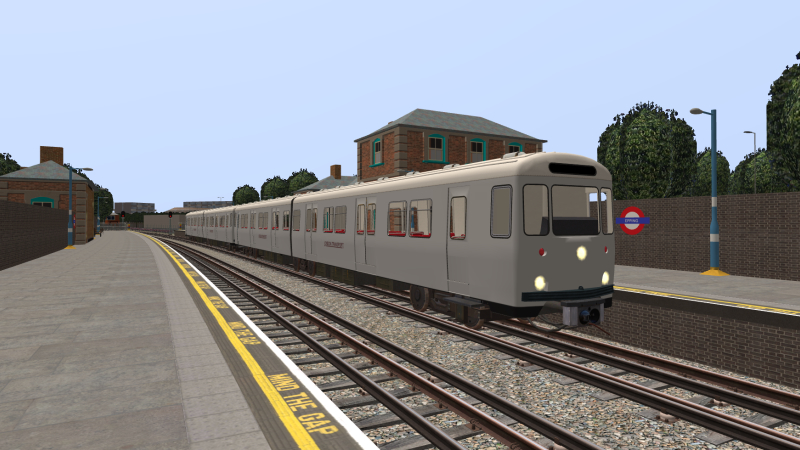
(472, 148)
(377, 150)
(432, 140)
(514, 144)
(43, 201)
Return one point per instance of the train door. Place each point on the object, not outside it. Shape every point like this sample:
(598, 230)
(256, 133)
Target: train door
(361, 230)
(458, 255)
(311, 227)
(369, 236)
(276, 224)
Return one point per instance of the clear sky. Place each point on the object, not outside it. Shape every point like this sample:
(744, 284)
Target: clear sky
(186, 101)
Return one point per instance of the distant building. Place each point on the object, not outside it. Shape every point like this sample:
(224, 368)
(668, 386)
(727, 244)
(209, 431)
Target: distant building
(45, 185)
(335, 180)
(217, 204)
(179, 210)
(425, 140)
(132, 207)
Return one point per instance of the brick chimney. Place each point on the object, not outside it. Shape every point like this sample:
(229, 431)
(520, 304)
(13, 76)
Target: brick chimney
(336, 171)
(55, 154)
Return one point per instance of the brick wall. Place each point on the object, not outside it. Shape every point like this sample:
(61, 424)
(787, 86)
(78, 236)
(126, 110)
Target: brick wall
(16, 198)
(496, 149)
(416, 153)
(532, 147)
(759, 235)
(755, 344)
(366, 158)
(28, 232)
(456, 150)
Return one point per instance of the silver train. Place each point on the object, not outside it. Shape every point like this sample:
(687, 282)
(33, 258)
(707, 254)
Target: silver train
(484, 241)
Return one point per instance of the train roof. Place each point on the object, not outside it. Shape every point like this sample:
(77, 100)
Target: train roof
(532, 164)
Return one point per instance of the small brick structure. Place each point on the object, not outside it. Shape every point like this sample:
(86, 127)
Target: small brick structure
(759, 235)
(28, 232)
(753, 343)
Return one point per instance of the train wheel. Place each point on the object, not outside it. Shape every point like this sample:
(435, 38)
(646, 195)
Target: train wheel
(420, 298)
(473, 322)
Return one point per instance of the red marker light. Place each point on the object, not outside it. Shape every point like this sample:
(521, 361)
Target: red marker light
(542, 252)
(606, 250)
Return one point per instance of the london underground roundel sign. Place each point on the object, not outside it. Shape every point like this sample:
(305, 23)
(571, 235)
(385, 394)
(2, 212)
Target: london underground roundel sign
(632, 220)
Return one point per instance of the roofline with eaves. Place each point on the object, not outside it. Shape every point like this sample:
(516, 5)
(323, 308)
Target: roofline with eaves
(50, 180)
(387, 130)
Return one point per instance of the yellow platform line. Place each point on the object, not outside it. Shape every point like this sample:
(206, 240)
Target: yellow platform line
(710, 300)
(292, 424)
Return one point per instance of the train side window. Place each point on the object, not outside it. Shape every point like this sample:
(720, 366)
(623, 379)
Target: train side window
(327, 226)
(309, 219)
(458, 218)
(535, 210)
(361, 219)
(253, 220)
(371, 211)
(315, 220)
(340, 219)
(397, 218)
(607, 211)
(419, 218)
(501, 212)
(274, 220)
(286, 220)
(296, 220)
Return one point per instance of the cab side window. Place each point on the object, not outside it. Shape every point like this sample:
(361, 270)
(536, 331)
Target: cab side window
(501, 212)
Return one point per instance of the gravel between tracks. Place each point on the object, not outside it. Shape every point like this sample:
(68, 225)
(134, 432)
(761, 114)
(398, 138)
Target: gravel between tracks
(613, 424)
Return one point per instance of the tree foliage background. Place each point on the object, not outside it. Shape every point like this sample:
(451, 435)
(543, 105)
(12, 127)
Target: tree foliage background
(274, 187)
(650, 153)
(7, 164)
(106, 204)
(245, 194)
(701, 181)
(301, 179)
(783, 129)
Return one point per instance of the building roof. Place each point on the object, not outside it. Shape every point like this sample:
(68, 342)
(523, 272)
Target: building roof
(184, 210)
(329, 183)
(423, 118)
(46, 171)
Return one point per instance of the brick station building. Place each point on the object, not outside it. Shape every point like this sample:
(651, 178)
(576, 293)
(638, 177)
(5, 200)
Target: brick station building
(425, 140)
(46, 185)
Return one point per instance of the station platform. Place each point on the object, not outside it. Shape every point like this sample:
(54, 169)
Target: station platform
(741, 296)
(120, 343)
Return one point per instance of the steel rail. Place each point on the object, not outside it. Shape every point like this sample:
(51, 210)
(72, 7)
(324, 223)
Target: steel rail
(737, 428)
(649, 366)
(785, 398)
(477, 418)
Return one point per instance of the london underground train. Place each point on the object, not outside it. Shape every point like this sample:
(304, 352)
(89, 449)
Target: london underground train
(483, 241)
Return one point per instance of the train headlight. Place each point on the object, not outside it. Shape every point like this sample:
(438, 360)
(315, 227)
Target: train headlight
(605, 278)
(581, 253)
(539, 283)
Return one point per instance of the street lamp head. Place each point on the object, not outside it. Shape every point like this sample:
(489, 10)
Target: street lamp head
(696, 111)
(87, 169)
(749, 132)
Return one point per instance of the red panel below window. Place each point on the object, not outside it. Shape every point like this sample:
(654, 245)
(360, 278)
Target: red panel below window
(315, 229)
(371, 232)
(328, 231)
(360, 232)
(420, 234)
(396, 233)
(340, 231)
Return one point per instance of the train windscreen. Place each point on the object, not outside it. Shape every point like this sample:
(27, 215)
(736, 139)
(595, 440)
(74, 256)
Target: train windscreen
(575, 211)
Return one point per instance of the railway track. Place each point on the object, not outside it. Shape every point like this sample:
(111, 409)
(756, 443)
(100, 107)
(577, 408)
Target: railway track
(714, 389)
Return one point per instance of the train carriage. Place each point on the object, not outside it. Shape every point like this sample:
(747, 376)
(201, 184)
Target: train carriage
(482, 241)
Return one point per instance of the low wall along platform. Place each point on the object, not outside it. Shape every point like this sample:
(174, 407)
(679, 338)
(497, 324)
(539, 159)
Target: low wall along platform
(28, 232)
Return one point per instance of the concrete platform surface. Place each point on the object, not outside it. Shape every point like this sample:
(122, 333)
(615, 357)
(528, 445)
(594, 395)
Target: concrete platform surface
(102, 347)
(757, 293)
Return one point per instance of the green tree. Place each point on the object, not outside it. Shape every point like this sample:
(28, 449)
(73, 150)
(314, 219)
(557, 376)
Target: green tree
(650, 153)
(245, 194)
(301, 179)
(106, 204)
(783, 128)
(7, 164)
(274, 187)
(701, 184)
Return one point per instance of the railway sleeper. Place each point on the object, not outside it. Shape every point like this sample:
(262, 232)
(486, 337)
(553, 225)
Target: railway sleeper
(389, 419)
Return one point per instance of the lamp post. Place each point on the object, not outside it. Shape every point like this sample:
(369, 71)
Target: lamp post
(69, 206)
(98, 214)
(714, 250)
(754, 160)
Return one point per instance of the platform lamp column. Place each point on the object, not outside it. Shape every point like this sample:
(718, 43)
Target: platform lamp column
(98, 214)
(714, 250)
(754, 160)
(69, 206)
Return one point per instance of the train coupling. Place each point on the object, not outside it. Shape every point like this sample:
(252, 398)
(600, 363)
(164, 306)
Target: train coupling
(582, 312)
